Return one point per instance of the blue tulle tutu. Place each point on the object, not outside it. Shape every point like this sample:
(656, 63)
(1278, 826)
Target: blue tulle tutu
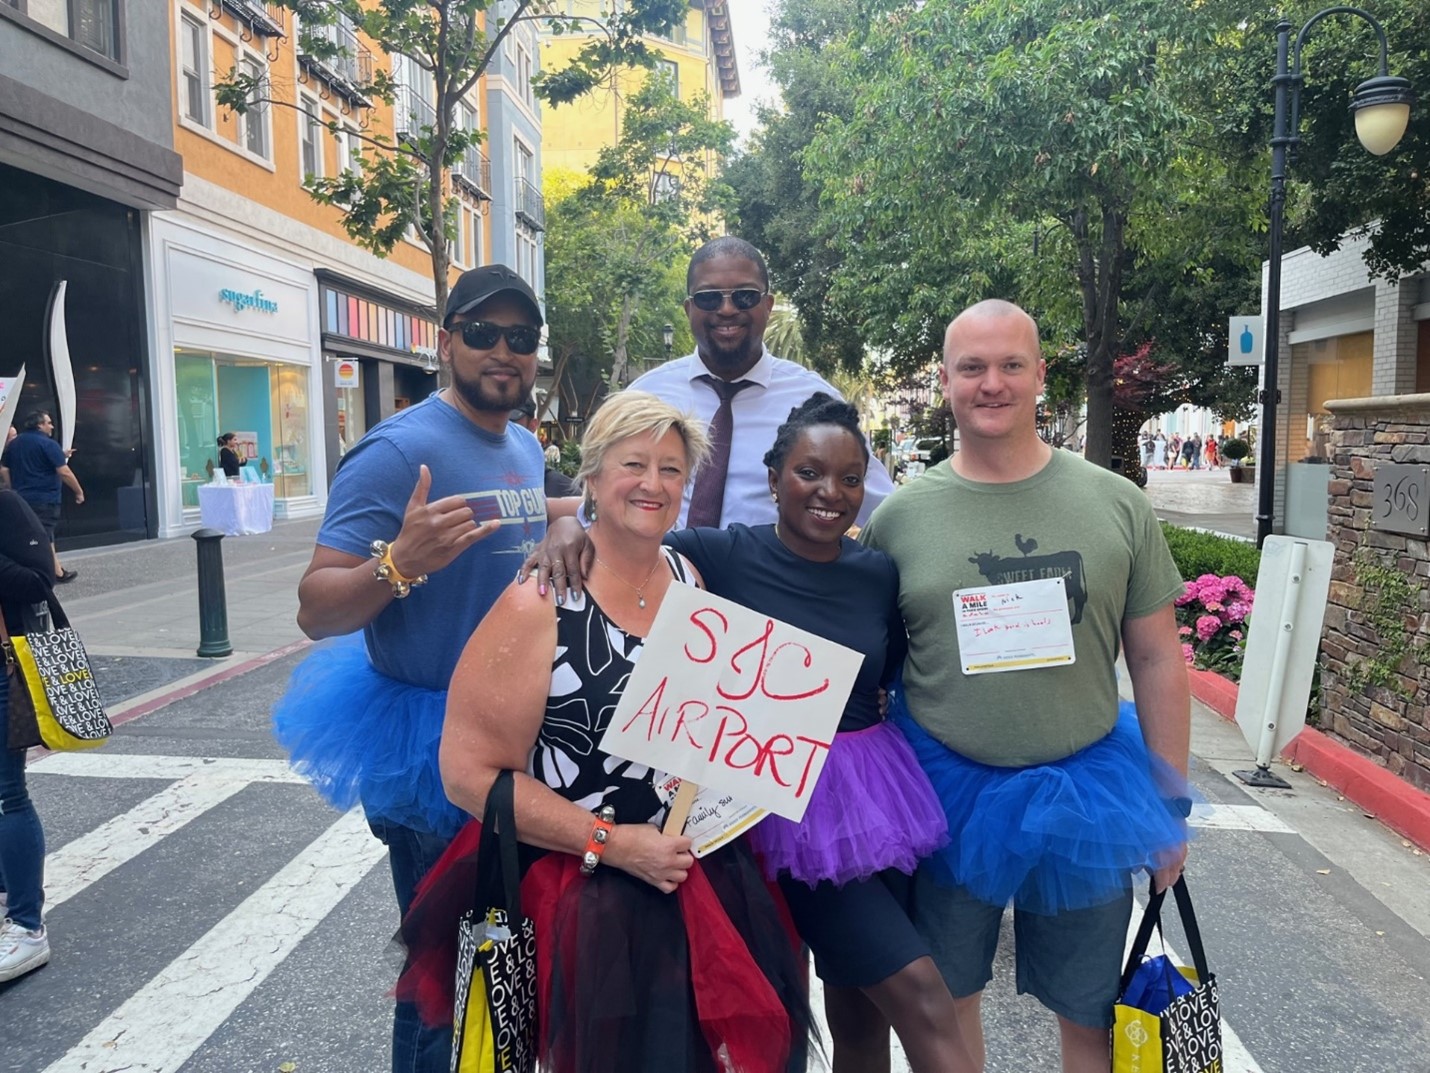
(1059, 836)
(360, 736)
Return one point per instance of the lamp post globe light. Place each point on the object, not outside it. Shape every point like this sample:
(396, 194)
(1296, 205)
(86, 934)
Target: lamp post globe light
(1382, 112)
(667, 336)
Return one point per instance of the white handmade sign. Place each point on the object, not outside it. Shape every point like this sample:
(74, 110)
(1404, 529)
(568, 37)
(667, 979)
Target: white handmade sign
(733, 700)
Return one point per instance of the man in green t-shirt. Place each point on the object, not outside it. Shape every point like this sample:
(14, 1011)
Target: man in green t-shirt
(1023, 572)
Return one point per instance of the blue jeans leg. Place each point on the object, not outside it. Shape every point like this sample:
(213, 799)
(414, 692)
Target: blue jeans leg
(22, 841)
(412, 853)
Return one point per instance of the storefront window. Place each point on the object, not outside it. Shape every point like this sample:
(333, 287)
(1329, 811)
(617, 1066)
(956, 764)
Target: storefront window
(265, 405)
(292, 462)
(198, 422)
(352, 421)
(1336, 368)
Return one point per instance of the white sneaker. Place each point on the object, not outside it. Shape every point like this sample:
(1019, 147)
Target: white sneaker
(21, 951)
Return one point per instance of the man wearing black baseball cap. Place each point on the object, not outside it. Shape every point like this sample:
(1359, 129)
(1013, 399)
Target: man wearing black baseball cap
(428, 518)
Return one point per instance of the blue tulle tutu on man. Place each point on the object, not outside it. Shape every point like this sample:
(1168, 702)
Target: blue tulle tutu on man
(1059, 836)
(360, 736)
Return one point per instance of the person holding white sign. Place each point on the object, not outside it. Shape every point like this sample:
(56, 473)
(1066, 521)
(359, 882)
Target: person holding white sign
(659, 962)
(1022, 573)
(872, 814)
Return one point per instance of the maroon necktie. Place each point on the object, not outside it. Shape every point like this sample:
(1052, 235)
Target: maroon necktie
(708, 496)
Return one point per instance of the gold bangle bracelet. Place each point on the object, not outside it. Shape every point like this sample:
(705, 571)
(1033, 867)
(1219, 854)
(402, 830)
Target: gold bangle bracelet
(381, 550)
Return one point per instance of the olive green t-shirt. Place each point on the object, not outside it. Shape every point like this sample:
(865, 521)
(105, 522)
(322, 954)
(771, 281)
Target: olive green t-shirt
(1074, 520)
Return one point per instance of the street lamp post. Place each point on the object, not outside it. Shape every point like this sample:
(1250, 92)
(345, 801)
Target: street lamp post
(667, 336)
(1382, 111)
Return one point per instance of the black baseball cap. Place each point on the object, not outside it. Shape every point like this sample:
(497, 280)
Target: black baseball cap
(476, 286)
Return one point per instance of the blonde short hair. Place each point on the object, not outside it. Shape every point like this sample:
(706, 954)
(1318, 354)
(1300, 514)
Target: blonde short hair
(635, 413)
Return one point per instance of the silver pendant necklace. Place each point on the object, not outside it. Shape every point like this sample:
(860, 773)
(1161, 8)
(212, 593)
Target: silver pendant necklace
(639, 589)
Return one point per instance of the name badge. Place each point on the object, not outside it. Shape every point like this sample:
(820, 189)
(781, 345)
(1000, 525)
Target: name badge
(1017, 627)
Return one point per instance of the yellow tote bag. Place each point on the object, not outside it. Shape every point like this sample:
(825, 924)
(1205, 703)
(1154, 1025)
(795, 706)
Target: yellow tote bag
(494, 1012)
(55, 669)
(1185, 1036)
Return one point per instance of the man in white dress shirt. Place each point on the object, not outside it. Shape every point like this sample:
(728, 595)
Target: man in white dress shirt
(728, 307)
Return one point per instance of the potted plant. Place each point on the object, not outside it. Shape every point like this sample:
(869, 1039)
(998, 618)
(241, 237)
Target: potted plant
(1235, 450)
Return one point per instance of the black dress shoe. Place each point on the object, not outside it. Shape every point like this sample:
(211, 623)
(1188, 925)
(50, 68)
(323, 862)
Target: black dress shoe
(68, 575)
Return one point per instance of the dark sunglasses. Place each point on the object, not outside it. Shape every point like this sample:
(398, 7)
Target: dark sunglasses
(483, 335)
(744, 298)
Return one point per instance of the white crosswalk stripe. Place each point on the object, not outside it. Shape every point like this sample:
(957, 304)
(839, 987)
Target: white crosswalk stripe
(164, 1022)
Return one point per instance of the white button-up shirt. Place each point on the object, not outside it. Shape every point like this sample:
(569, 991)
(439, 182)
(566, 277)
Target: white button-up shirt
(757, 414)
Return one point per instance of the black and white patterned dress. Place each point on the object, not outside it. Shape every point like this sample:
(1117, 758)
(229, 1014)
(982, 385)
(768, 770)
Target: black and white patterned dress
(594, 660)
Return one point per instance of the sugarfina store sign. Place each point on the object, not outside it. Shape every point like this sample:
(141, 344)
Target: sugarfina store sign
(250, 300)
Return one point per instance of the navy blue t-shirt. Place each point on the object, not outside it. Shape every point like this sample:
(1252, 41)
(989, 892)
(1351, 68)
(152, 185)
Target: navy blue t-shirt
(419, 639)
(853, 601)
(33, 459)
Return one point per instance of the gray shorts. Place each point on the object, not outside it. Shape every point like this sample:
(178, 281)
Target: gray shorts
(1071, 963)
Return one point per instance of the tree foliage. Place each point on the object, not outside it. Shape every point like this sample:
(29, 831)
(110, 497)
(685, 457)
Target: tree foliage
(405, 182)
(1043, 151)
(617, 244)
(1337, 187)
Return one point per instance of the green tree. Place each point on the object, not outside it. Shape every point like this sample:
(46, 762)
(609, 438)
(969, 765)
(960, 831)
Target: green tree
(1038, 150)
(617, 244)
(405, 182)
(1336, 187)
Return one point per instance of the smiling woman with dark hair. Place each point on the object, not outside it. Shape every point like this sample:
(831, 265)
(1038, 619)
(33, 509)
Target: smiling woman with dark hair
(872, 814)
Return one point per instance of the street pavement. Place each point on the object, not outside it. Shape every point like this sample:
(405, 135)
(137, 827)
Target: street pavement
(209, 914)
(1203, 499)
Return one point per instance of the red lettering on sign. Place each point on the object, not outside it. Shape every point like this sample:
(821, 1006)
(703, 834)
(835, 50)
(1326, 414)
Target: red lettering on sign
(814, 747)
(700, 710)
(808, 660)
(761, 642)
(650, 709)
(695, 621)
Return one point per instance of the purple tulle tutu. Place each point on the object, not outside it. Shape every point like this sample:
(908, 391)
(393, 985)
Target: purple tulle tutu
(872, 809)
(1059, 836)
(358, 735)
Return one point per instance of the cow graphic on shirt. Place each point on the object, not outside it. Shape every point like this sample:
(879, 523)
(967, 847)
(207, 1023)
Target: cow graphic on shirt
(1005, 570)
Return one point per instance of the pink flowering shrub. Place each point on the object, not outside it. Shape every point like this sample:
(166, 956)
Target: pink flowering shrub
(1211, 617)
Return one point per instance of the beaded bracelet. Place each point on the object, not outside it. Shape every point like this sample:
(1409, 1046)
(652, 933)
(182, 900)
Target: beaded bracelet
(381, 550)
(596, 844)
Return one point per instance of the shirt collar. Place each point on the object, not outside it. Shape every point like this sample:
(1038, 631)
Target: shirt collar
(761, 373)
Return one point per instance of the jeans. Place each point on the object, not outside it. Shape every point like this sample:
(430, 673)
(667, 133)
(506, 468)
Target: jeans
(22, 841)
(412, 853)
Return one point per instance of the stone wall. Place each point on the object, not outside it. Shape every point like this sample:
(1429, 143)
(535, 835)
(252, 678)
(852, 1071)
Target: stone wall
(1391, 722)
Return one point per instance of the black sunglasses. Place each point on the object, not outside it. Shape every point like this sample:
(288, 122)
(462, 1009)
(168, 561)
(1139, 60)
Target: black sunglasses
(744, 298)
(483, 335)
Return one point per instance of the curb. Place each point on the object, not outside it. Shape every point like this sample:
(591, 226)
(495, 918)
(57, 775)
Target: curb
(1387, 797)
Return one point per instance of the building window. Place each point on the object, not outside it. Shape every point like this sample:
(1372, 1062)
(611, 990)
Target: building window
(195, 66)
(254, 122)
(310, 135)
(526, 253)
(665, 187)
(669, 72)
(92, 24)
(349, 151)
(523, 75)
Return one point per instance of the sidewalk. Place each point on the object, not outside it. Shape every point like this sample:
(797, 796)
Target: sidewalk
(1203, 499)
(137, 607)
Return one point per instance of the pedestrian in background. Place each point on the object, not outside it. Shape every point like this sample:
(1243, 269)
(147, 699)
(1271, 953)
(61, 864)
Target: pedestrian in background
(228, 456)
(557, 484)
(38, 469)
(1209, 451)
(26, 580)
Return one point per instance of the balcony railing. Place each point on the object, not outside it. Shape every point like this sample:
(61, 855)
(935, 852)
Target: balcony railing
(350, 69)
(414, 111)
(474, 171)
(530, 205)
(255, 13)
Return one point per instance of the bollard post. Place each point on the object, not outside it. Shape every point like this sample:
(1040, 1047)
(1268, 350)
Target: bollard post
(213, 604)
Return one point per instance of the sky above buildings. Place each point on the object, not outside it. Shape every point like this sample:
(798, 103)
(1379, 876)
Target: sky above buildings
(750, 22)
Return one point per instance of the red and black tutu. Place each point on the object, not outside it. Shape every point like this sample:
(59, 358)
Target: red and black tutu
(631, 980)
